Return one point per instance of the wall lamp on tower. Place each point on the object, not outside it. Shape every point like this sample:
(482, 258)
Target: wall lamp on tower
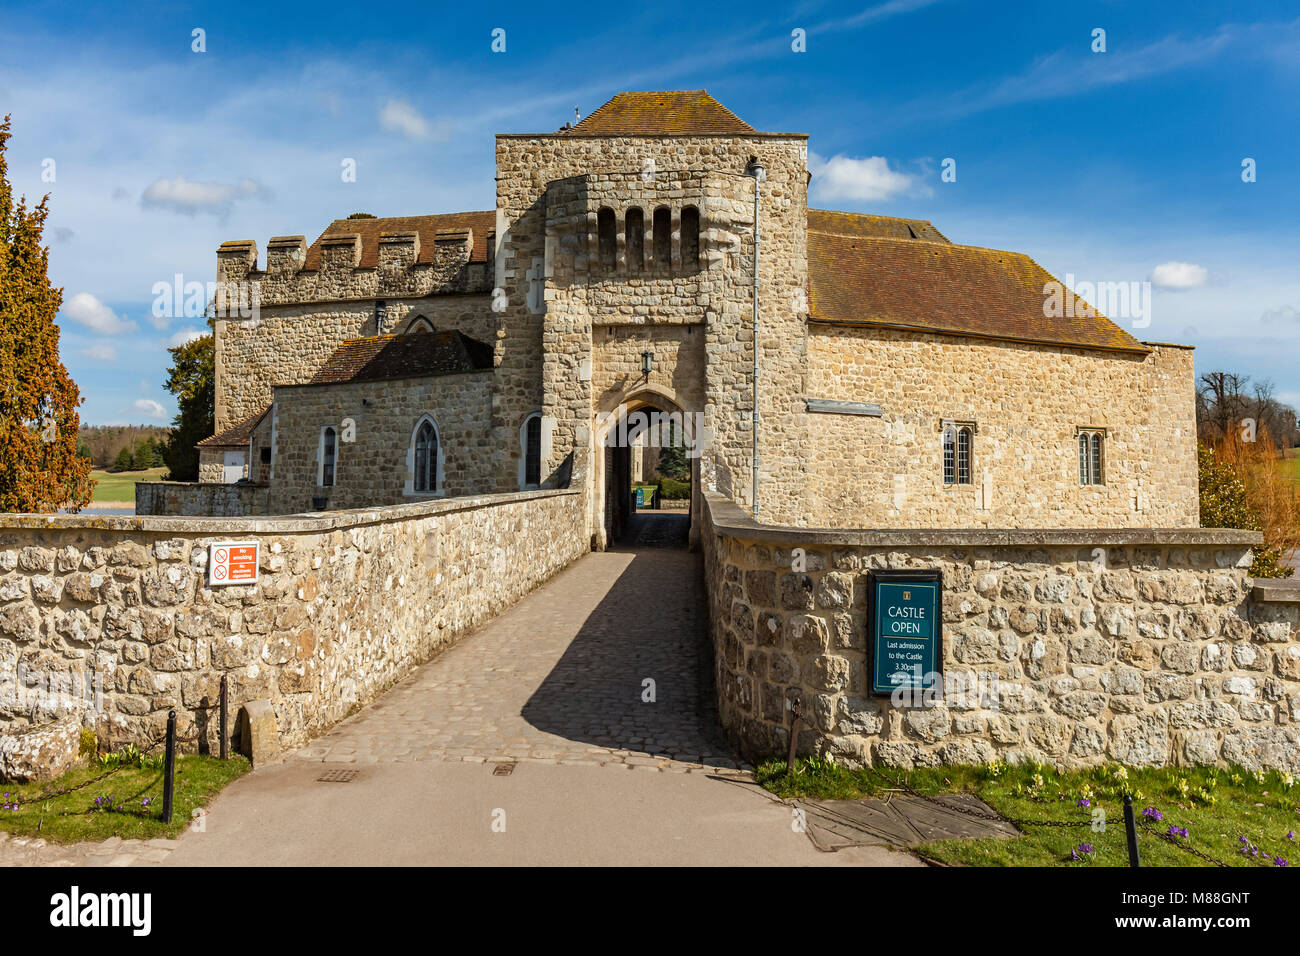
(647, 364)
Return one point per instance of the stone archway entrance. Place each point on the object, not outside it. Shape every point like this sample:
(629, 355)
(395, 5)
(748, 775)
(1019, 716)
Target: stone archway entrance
(630, 440)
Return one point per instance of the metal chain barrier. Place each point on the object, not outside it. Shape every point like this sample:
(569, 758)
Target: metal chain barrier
(997, 817)
(994, 817)
(51, 794)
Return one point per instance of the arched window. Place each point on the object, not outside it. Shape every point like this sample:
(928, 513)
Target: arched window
(530, 439)
(635, 244)
(957, 444)
(419, 324)
(690, 238)
(606, 243)
(426, 458)
(1090, 458)
(328, 457)
(663, 232)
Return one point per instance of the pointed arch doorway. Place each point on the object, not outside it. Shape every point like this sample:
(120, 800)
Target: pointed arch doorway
(634, 441)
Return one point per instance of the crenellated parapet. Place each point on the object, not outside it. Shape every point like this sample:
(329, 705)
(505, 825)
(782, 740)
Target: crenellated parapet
(371, 265)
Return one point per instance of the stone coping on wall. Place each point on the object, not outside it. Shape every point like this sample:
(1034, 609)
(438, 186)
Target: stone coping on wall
(278, 524)
(1274, 591)
(729, 519)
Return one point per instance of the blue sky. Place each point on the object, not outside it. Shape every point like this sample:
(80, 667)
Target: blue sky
(1122, 166)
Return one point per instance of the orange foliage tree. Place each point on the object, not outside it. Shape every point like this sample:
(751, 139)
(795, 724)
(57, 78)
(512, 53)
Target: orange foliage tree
(1266, 494)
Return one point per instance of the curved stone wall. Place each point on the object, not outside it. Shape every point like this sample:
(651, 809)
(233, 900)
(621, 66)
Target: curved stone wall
(112, 619)
(1074, 647)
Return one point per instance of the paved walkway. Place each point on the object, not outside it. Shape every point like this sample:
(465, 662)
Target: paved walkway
(605, 663)
(596, 688)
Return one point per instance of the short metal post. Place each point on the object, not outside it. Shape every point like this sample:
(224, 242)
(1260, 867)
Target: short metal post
(225, 718)
(1130, 831)
(794, 736)
(169, 767)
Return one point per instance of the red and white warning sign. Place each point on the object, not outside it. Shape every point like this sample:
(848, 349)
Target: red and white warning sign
(232, 563)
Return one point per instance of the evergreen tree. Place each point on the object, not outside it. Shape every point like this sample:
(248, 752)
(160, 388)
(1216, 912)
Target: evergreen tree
(192, 379)
(40, 470)
(124, 461)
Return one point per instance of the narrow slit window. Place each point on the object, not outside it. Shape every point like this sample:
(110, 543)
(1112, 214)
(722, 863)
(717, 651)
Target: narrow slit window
(328, 457)
(533, 450)
(663, 231)
(606, 241)
(635, 243)
(690, 238)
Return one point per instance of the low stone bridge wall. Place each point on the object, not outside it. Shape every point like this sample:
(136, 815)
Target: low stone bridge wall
(196, 499)
(348, 602)
(1069, 647)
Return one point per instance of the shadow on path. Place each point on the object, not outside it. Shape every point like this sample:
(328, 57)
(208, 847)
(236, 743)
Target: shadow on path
(638, 675)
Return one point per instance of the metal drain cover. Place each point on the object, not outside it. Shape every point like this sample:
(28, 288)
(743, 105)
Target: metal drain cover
(337, 776)
(503, 769)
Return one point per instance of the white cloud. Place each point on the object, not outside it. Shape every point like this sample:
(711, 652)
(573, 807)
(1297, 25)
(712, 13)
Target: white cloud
(183, 196)
(399, 116)
(85, 309)
(1178, 275)
(149, 408)
(1286, 313)
(182, 336)
(868, 178)
(100, 353)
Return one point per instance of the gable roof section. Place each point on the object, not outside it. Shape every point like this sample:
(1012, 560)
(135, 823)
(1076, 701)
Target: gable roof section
(881, 227)
(237, 435)
(403, 356)
(481, 222)
(662, 113)
(933, 286)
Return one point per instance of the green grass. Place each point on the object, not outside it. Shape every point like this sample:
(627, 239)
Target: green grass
(1218, 807)
(121, 486)
(70, 818)
(1291, 465)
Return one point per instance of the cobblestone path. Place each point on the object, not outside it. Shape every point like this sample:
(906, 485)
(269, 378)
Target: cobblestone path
(606, 663)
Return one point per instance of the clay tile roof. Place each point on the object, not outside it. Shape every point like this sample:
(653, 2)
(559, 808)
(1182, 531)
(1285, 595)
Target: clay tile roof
(666, 113)
(937, 286)
(428, 227)
(237, 434)
(882, 227)
(404, 356)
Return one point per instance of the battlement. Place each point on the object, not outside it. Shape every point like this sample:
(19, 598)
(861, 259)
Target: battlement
(645, 223)
(369, 259)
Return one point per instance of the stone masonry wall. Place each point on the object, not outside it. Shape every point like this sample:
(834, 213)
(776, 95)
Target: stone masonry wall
(1026, 402)
(549, 193)
(377, 468)
(1075, 647)
(288, 343)
(346, 605)
(200, 499)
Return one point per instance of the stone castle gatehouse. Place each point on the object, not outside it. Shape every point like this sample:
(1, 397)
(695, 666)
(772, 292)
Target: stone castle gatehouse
(427, 417)
(899, 379)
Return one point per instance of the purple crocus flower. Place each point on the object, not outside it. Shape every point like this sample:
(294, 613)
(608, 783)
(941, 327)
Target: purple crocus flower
(1278, 861)
(1084, 802)
(1153, 813)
